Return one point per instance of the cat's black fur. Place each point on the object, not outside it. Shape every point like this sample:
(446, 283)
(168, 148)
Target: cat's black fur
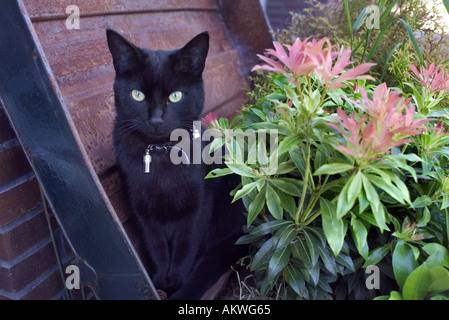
(188, 222)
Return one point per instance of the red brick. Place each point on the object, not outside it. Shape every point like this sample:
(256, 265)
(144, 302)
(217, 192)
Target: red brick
(48, 288)
(6, 132)
(15, 241)
(14, 164)
(19, 200)
(17, 276)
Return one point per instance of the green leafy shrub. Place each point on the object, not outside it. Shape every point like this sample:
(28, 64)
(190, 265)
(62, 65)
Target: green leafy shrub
(338, 174)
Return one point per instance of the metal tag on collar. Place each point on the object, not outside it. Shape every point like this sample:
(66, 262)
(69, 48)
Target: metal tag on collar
(146, 161)
(195, 132)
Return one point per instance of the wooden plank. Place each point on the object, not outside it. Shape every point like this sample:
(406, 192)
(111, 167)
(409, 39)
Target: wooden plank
(56, 9)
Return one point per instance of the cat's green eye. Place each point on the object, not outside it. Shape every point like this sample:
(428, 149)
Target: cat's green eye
(175, 96)
(137, 95)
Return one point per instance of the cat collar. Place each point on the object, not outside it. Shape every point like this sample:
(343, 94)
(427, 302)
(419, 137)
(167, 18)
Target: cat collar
(164, 150)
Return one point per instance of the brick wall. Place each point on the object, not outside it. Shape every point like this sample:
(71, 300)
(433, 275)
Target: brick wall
(28, 267)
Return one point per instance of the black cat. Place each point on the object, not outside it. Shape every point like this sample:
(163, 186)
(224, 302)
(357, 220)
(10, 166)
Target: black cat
(188, 222)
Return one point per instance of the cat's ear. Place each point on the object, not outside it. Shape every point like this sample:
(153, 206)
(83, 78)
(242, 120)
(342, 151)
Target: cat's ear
(192, 57)
(125, 55)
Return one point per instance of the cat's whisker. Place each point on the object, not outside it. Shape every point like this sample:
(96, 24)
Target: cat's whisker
(127, 129)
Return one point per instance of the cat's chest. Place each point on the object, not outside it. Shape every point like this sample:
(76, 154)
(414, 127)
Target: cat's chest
(160, 174)
(168, 191)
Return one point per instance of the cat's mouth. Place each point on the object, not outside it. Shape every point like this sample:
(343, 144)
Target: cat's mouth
(158, 139)
(156, 136)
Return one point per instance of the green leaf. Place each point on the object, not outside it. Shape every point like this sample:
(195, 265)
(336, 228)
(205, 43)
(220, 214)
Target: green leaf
(363, 202)
(242, 170)
(422, 202)
(445, 202)
(424, 220)
(298, 159)
(278, 262)
(317, 234)
(294, 278)
(408, 156)
(247, 188)
(288, 185)
(328, 260)
(334, 228)
(333, 168)
(439, 279)
(286, 234)
(355, 187)
(359, 234)
(261, 230)
(263, 255)
(312, 245)
(376, 206)
(278, 169)
(371, 193)
(386, 186)
(343, 206)
(273, 203)
(438, 255)
(346, 261)
(259, 113)
(413, 40)
(314, 274)
(377, 255)
(247, 239)
(348, 20)
(288, 143)
(402, 187)
(301, 252)
(404, 262)
(216, 144)
(269, 227)
(446, 4)
(256, 206)
(218, 173)
(394, 295)
(360, 19)
(417, 284)
(290, 93)
(288, 203)
(447, 224)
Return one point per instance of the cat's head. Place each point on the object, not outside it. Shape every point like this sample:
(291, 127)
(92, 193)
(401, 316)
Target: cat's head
(158, 91)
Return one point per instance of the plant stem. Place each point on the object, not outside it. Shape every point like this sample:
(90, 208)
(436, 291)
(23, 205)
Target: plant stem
(306, 183)
(366, 45)
(298, 86)
(315, 197)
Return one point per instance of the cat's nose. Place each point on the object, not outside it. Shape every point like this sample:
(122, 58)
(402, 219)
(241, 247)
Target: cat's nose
(156, 117)
(156, 121)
